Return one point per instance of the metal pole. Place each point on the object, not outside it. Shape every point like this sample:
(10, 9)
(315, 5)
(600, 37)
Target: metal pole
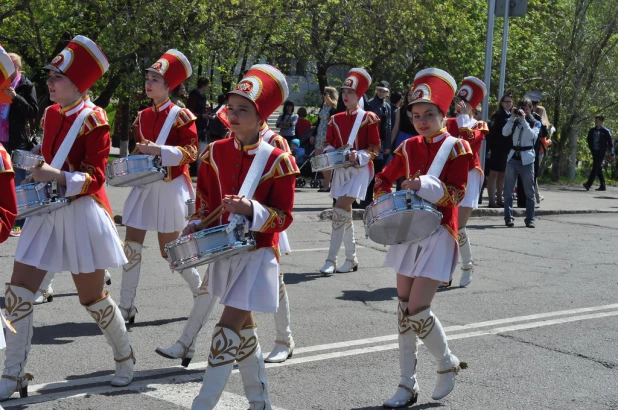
(488, 49)
(505, 42)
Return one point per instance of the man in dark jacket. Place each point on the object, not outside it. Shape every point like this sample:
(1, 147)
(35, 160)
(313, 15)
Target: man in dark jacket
(23, 108)
(599, 142)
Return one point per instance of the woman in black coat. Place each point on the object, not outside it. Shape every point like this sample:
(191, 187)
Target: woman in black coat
(499, 147)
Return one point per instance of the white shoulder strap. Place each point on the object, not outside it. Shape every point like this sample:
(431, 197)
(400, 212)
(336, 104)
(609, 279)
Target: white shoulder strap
(69, 140)
(440, 160)
(249, 185)
(357, 123)
(167, 125)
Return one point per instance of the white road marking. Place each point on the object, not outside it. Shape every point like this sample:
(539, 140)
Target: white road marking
(69, 389)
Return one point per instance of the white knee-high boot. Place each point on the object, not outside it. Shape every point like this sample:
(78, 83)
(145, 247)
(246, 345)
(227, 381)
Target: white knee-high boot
(349, 242)
(224, 349)
(184, 348)
(407, 390)
(18, 301)
(192, 277)
(110, 321)
(429, 329)
(340, 219)
(252, 370)
(130, 280)
(45, 292)
(284, 345)
(467, 266)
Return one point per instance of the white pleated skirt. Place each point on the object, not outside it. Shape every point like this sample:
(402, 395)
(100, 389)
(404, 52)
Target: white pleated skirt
(434, 257)
(351, 182)
(284, 244)
(248, 281)
(79, 238)
(473, 189)
(159, 206)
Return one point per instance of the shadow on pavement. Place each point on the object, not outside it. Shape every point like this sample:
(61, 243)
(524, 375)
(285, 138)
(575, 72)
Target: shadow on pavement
(376, 295)
(421, 406)
(51, 335)
(293, 278)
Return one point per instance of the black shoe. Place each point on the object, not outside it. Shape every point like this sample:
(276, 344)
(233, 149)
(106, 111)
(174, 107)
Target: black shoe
(587, 186)
(601, 188)
(530, 224)
(510, 223)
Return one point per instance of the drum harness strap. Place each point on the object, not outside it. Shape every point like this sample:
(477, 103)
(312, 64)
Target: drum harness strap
(352, 138)
(252, 180)
(440, 160)
(167, 125)
(67, 144)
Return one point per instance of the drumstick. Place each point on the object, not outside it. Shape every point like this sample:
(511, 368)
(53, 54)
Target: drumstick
(210, 218)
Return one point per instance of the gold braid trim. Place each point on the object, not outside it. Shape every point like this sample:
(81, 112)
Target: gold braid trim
(225, 346)
(16, 308)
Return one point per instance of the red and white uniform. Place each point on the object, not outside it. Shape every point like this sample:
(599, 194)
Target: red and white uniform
(353, 181)
(80, 237)
(277, 141)
(473, 132)
(434, 257)
(248, 281)
(8, 200)
(160, 206)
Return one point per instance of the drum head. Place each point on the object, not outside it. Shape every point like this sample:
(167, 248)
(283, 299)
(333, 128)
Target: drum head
(404, 227)
(136, 178)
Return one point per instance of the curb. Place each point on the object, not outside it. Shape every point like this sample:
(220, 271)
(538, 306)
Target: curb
(357, 214)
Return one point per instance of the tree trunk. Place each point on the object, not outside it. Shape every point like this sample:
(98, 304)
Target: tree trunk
(322, 69)
(572, 152)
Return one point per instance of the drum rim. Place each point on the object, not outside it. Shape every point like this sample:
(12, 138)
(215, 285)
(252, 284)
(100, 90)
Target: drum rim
(133, 157)
(246, 246)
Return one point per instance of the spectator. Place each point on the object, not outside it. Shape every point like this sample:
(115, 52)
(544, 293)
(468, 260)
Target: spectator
(498, 148)
(402, 127)
(303, 125)
(179, 96)
(522, 130)
(14, 118)
(298, 152)
(287, 121)
(215, 130)
(327, 110)
(380, 106)
(199, 106)
(395, 102)
(599, 142)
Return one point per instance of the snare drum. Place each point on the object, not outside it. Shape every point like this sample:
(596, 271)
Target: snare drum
(331, 160)
(401, 217)
(39, 198)
(208, 245)
(135, 170)
(26, 159)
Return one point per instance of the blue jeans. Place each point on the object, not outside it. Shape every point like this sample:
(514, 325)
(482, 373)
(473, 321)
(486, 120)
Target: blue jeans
(513, 168)
(20, 175)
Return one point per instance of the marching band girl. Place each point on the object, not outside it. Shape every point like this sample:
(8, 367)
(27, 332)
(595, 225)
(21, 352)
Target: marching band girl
(246, 282)
(184, 348)
(470, 95)
(8, 200)
(357, 129)
(160, 206)
(79, 237)
(421, 266)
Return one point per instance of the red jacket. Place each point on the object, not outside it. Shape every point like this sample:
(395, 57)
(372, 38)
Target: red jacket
(182, 136)
(414, 157)
(89, 152)
(368, 137)
(273, 138)
(474, 135)
(8, 199)
(225, 164)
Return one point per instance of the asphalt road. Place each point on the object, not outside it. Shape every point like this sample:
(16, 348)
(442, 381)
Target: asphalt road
(538, 327)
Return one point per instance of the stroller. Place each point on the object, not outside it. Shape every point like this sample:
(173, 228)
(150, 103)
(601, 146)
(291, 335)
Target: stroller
(300, 180)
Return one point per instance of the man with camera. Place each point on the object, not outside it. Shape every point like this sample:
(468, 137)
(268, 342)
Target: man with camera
(524, 129)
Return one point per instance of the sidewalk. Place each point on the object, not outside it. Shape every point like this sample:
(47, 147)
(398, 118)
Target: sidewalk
(559, 199)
